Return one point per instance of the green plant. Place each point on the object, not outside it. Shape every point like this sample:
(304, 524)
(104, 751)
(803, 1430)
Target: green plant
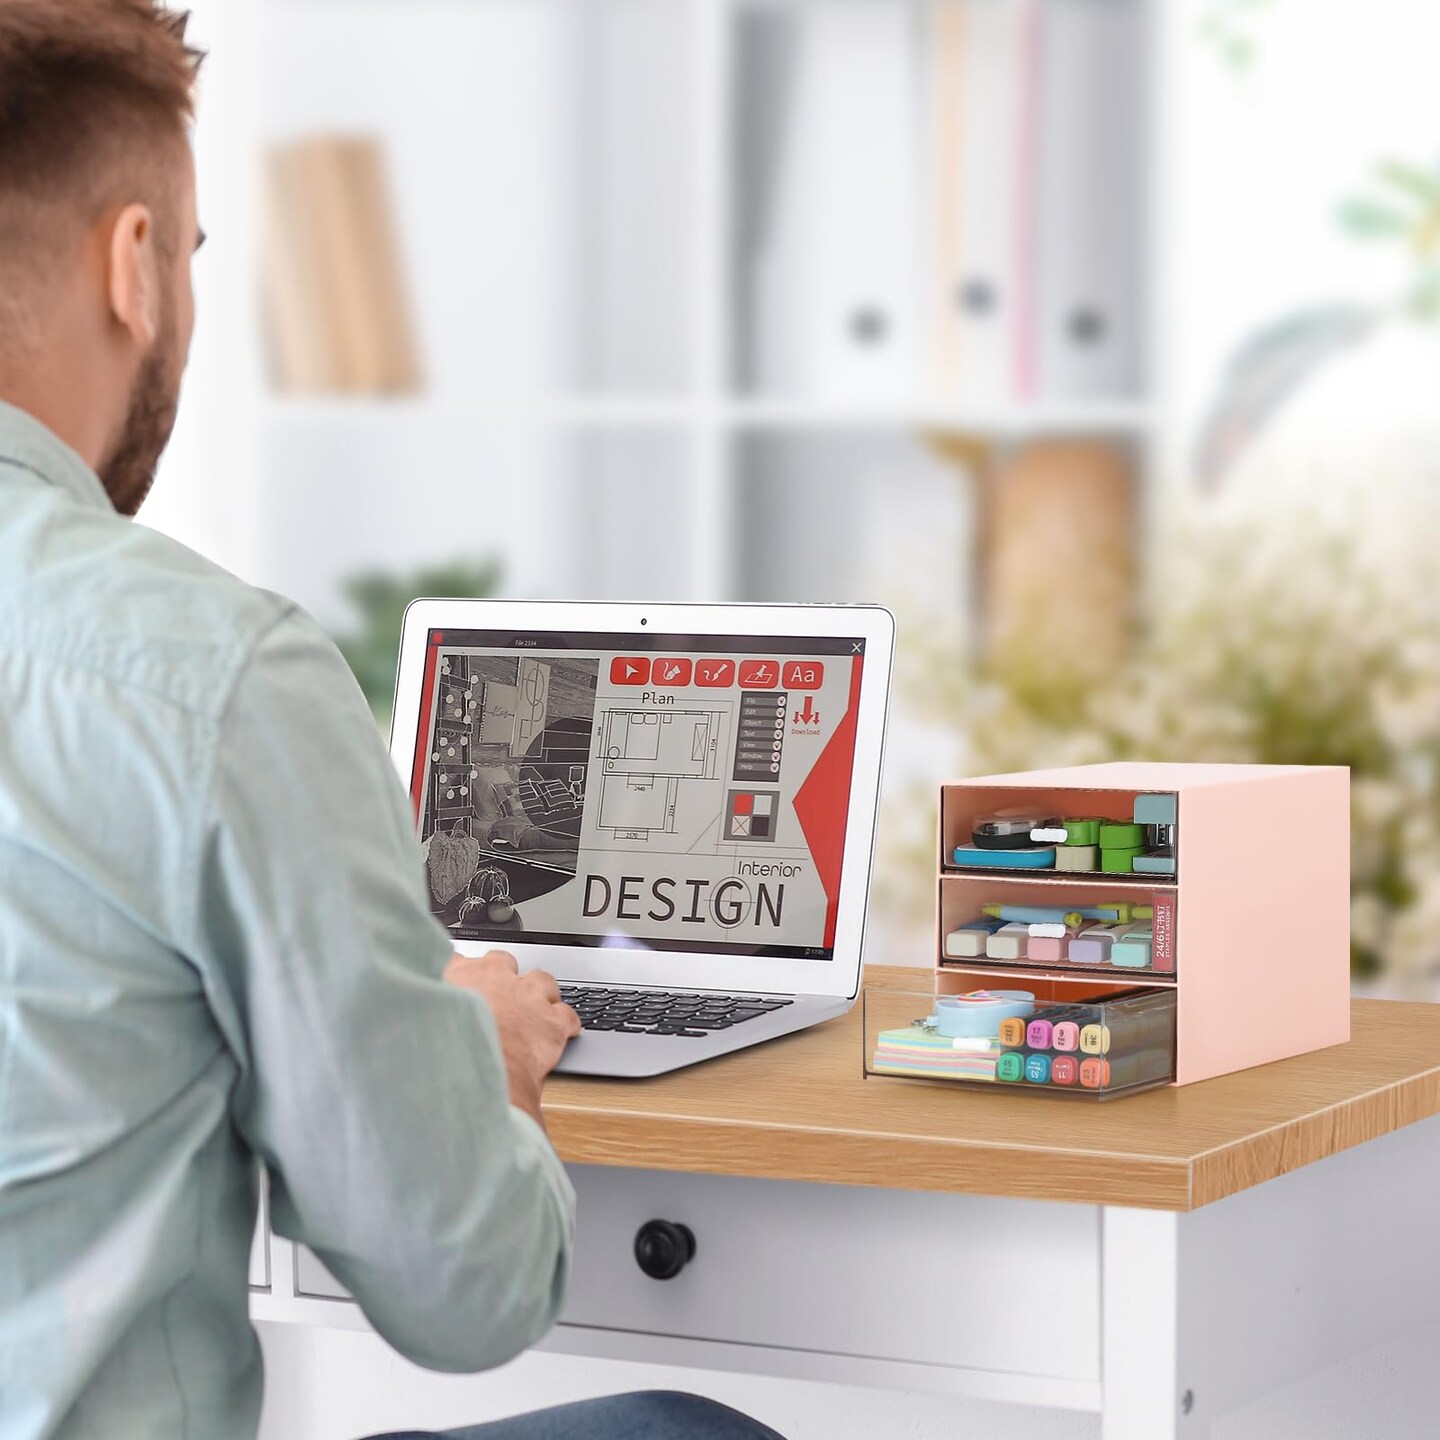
(379, 600)
(1278, 636)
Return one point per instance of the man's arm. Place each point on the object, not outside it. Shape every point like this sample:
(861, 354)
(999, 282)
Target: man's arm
(376, 1093)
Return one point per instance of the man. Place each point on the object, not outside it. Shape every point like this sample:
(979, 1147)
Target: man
(215, 946)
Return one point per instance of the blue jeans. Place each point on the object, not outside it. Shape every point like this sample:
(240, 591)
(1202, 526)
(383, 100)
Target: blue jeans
(646, 1415)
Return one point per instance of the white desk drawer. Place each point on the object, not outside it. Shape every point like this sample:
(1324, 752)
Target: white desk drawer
(957, 1280)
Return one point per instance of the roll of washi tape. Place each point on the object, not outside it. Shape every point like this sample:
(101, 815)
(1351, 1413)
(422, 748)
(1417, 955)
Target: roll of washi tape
(980, 1012)
(1118, 835)
(1082, 831)
(1119, 862)
(1034, 857)
(1077, 857)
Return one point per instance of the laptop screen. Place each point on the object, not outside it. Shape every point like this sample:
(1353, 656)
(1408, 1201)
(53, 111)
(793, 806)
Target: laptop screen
(662, 792)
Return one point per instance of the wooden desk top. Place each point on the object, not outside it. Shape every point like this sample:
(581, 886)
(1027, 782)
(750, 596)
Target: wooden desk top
(800, 1108)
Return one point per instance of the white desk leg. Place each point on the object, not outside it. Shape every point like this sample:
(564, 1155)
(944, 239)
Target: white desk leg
(1152, 1361)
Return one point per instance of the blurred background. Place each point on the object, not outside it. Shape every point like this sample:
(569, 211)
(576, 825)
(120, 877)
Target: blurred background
(1097, 338)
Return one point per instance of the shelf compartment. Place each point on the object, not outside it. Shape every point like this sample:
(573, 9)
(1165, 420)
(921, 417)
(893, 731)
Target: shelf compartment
(1066, 1039)
(962, 807)
(963, 898)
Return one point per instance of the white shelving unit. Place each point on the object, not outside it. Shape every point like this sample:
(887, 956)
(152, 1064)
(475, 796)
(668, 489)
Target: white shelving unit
(575, 205)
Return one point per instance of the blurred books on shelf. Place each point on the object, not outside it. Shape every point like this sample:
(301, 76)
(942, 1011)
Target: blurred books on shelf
(1089, 212)
(833, 115)
(954, 201)
(979, 148)
(337, 314)
(1056, 560)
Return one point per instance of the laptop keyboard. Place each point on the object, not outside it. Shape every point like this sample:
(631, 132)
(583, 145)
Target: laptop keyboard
(664, 1012)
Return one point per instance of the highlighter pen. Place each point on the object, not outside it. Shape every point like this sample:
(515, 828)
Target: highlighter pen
(1092, 945)
(969, 940)
(1009, 942)
(1121, 912)
(1133, 949)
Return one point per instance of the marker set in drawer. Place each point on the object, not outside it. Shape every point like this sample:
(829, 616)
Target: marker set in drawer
(1099, 1046)
(1076, 1045)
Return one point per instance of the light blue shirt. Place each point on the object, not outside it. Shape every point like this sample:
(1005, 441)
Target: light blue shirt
(215, 949)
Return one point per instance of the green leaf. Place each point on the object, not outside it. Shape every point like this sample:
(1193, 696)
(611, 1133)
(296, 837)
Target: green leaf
(1420, 184)
(379, 599)
(1370, 218)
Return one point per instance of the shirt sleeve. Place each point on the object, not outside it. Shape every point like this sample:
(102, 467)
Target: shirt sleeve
(374, 1092)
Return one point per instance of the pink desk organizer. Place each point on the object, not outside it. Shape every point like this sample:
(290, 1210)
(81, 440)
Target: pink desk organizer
(1261, 889)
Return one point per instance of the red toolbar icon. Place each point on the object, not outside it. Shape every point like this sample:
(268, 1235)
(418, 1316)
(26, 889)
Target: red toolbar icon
(715, 674)
(804, 675)
(759, 675)
(630, 670)
(669, 671)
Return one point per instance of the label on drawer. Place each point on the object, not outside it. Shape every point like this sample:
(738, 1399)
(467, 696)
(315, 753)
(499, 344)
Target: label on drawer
(1164, 925)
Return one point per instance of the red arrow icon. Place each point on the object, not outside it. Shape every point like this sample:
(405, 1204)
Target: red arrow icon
(809, 715)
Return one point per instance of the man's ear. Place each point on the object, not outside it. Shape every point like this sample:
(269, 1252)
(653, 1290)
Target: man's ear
(134, 290)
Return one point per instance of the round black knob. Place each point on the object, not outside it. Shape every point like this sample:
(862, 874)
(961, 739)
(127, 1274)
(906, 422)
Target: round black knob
(663, 1248)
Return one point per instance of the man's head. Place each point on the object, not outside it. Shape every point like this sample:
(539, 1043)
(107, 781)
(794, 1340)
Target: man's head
(97, 226)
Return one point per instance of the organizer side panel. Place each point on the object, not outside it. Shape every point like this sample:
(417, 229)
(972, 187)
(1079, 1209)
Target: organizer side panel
(1263, 932)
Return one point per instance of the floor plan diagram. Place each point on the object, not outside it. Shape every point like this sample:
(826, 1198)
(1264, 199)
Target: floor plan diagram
(645, 756)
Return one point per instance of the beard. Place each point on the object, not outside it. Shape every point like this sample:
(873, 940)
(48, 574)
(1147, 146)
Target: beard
(129, 471)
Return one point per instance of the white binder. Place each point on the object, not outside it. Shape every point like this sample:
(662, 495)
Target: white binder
(1089, 243)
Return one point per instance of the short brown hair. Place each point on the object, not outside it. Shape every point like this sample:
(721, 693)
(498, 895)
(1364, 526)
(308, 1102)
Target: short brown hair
(89, 90)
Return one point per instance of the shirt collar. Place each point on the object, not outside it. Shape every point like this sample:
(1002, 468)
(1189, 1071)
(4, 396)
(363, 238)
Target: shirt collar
(27, 444)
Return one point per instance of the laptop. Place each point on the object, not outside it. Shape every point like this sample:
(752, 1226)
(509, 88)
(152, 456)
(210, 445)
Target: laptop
(671, 808)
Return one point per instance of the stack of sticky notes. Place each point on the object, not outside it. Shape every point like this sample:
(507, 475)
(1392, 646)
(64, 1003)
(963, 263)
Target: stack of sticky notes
(917, 1050)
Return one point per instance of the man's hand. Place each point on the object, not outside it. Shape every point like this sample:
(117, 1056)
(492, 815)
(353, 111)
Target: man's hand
(535, 1025)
